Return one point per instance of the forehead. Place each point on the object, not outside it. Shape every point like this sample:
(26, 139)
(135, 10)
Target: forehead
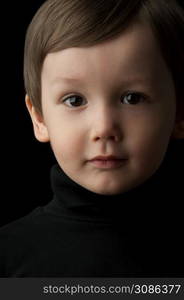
(135, 54)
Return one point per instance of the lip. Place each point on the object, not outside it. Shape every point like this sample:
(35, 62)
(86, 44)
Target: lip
(108, 157)
(108, 162)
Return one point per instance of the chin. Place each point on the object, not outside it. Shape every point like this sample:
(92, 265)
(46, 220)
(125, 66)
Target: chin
(107, 191)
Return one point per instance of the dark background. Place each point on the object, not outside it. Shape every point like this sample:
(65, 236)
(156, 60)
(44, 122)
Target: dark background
(26, 163)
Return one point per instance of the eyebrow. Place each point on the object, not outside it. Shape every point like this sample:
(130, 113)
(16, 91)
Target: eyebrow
(66, 79)
(125, 81)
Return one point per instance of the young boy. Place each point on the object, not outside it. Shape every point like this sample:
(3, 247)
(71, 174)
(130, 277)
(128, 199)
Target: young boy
(124, 61)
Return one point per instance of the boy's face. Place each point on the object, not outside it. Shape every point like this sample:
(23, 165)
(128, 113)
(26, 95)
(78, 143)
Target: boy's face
(100, 118)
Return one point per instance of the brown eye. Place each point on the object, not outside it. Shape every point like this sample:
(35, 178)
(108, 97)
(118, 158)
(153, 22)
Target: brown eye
(133, 98)
(74, 100)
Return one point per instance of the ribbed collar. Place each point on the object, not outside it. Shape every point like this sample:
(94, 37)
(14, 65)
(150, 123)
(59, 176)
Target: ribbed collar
(72, 200)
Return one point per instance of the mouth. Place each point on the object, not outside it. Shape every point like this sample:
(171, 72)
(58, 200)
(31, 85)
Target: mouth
(108, 163)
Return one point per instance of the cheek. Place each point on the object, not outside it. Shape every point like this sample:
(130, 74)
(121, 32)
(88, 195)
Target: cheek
(151, 140)
(66, 144)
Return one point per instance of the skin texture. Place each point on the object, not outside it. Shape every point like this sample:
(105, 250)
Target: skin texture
(103, 120)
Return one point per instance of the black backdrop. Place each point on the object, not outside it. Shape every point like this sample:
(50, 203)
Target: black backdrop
(26, 163)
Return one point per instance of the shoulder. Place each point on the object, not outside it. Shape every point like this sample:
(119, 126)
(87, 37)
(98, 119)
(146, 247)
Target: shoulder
(25, 228)
(18, 226)
(16, 238)
(12, 232)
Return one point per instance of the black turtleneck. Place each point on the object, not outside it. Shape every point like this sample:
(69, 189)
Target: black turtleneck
(83, 234)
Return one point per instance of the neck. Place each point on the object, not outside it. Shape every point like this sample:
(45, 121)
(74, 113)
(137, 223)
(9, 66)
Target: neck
(76, 201)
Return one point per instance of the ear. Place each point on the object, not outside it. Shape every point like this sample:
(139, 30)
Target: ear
(40, 129)
(178, 131)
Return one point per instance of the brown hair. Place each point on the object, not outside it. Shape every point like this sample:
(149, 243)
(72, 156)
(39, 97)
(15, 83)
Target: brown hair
(61, 24)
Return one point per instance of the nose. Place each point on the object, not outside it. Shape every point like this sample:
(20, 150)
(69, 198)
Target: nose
(106, 125)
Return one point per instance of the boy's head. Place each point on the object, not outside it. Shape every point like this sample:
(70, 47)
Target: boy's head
(104, 78)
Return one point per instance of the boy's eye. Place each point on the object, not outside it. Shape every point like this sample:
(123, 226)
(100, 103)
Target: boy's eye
(132, 98)
(73, 100)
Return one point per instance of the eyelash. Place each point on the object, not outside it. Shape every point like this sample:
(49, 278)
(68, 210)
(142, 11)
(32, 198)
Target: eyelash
(141, 95)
